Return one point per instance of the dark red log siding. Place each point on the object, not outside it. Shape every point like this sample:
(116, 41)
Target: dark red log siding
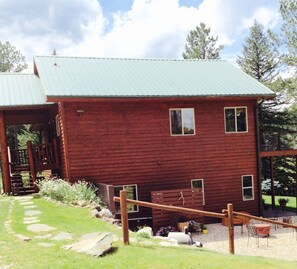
(128, 142)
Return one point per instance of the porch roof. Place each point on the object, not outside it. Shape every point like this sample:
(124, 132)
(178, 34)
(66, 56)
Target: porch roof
(18, 89)
(85, 77)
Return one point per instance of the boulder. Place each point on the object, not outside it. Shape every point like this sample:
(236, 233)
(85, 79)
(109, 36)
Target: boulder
(93, 244)
(105, 213)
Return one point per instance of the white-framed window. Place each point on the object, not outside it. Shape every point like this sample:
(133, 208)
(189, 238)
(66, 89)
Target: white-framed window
(131, 194)
(57, 121)
(182, 121)
(247, 187)
(236, 119)
(198, 183)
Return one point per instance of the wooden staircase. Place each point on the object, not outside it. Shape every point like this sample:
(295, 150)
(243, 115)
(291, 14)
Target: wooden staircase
(26, 163)
(18, 186)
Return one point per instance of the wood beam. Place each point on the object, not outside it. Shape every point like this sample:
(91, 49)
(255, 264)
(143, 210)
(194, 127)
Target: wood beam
(4, 155)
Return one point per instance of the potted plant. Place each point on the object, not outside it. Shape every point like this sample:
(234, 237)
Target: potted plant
(204, 229)
(182, 224)
(283, 202)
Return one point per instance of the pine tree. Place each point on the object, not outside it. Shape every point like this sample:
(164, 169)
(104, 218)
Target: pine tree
(200, 45)
(288, 9)
(260, 57)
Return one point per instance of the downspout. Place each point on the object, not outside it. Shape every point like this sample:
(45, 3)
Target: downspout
(260, 204)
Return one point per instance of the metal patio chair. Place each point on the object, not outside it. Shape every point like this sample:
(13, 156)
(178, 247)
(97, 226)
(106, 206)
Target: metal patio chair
(252, 232)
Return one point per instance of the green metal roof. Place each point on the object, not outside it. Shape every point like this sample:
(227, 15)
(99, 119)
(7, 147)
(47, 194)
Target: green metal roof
(17, 89)
(110, 77)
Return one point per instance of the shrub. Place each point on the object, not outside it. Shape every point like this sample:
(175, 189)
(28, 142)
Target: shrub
(60, 190)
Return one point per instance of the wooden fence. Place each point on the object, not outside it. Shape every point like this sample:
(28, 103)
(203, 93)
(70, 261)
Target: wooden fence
(186, 198)
(227, 213)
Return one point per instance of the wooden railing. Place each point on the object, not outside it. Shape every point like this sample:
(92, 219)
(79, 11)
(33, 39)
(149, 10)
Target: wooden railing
(226, 213)
(19, 157)
(44, 156)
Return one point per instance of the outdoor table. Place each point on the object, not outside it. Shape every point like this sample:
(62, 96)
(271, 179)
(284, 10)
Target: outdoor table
(262, 229)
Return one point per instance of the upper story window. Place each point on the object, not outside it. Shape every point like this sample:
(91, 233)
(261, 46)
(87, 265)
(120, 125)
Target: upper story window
(236, 119)
(182, 121)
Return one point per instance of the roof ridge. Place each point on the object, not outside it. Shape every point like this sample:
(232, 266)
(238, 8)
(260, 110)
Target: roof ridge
(128, 58)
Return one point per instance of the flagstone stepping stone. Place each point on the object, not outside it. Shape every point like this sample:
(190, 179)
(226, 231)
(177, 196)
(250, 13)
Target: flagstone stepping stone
(40, 228)
(43, 236)
(32, 212)
(31, 221)
(63, 236)
(26, 203)
(31, 218)
(93, 244)
(22, 237)
(30, 206)
(46, 245)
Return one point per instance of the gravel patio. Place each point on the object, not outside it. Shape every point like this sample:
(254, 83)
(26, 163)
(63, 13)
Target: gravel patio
(282, 242)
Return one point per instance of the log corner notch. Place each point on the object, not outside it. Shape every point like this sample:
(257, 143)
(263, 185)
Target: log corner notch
(4, 155)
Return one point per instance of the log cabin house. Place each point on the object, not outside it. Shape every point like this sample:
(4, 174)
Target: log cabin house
(140, 124)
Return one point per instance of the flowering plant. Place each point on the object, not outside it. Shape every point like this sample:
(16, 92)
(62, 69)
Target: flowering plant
(165, 230)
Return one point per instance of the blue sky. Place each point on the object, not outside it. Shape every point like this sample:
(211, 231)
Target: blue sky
(129, 28)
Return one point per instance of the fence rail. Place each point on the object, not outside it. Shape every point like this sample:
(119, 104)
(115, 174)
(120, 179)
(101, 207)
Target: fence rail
(226, 213)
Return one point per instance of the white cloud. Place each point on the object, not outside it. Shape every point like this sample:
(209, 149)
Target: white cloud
(151, 28)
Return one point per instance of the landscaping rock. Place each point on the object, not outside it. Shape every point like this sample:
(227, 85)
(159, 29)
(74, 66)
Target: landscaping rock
(105, 213)
(96, 206)
(93, 244)
(95, 213)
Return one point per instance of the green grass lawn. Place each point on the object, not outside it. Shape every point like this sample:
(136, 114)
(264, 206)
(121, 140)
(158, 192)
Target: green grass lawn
(15, 253)
(291, 205)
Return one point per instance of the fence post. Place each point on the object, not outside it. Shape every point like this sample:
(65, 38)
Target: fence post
(124, 217)
(231, 228)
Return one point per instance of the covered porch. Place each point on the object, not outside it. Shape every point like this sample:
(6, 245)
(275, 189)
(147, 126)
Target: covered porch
(29, 161)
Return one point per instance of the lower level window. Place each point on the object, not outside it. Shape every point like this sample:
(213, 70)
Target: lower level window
(131, 194)
(247, 188)
(198, 183)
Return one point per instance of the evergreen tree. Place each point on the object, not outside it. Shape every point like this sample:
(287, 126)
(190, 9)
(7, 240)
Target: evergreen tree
(260, 57)
(288, 9)
(200, 45)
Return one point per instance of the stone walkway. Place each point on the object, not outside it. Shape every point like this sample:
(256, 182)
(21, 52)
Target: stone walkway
(46, 236)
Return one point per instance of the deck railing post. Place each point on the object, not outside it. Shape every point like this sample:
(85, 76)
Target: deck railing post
(231, 228)
(32, 164)
(124, 217)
